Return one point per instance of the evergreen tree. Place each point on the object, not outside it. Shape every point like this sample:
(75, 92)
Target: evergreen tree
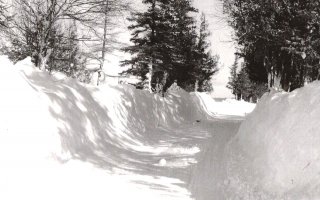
(279, 40)
(148, 38)
(184, 53)
(242, 87)
(207, 64)
(165, 44)
(233, 77)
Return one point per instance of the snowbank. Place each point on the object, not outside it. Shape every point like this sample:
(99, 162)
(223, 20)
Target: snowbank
(108, 137)
(82, 115)
(225, 108)
(45, 118)
(24, 134)
(276, 153)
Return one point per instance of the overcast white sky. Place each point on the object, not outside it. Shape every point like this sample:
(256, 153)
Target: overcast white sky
(220, 41)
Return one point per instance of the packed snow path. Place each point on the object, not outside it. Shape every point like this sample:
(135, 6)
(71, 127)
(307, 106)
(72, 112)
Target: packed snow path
(209, 173)
(187, 165)
(192, 160)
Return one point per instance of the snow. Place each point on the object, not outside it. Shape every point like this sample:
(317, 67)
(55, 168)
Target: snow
(227, 107)
(61, 139)
(277, 148)
(21, 117)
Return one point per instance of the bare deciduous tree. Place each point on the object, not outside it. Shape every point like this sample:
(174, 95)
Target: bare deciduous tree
(35, 22)
(106, 14)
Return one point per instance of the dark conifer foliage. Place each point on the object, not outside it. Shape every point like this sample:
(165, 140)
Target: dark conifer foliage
(279, 40)
(168, 48)
(149, 39)
(207, 64)
(185, 41)
(241, 86)
(233, 77)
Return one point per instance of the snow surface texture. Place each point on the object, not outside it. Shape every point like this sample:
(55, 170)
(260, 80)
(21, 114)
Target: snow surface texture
(225, 108)
(276, 153)
(60, 139)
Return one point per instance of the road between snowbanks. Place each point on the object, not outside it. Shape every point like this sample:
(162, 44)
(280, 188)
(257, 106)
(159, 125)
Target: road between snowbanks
(60, 139)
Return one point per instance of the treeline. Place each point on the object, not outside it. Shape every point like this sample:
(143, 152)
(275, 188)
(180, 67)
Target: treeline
(279, 41)
(60, 35)
(168, 47)
(241, 86)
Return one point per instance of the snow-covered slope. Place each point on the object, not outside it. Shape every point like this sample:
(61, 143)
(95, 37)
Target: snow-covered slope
(276, 153)
(81, 114)
(225, 108)
(24, 130)
(36, 105)
(60, 139)
(109, 137)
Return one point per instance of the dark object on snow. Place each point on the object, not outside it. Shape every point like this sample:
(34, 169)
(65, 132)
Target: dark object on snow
(198, 121)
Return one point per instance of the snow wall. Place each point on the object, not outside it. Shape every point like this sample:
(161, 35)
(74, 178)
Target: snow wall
(51, 115)
(114, 127)
(277, 148)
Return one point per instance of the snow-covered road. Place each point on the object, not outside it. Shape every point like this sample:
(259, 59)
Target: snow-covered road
(185, 164)
(189, 164)
(60, 139)
(209, 173)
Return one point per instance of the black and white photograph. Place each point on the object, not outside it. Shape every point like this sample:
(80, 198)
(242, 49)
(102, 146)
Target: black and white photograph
(159, 100)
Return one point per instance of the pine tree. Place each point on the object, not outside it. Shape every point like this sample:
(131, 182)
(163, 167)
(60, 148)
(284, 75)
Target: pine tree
(207, 64)
(147, 38)
(242, 87)
(233, 77)
(168, 48)
(184, 53)
(279, 40)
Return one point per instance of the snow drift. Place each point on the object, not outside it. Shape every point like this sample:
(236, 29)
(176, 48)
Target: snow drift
(111, 137)
(225, 108)
(276, 153)
(36, 103)
(48, 110)
(23, 131)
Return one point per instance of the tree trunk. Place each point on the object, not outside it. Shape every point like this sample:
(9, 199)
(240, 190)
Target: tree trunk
(196, 86)
(150, 77)
(43, 59)
(151, 70)
(104, 42)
